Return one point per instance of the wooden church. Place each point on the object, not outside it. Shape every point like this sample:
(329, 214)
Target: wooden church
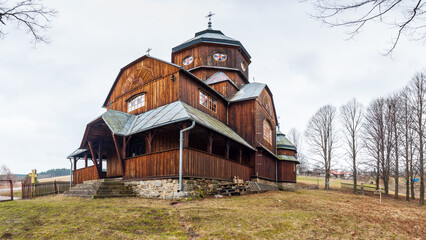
(196, 117)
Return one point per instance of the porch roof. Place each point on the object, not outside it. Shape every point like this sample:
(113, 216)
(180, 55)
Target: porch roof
(126, 124)
(77, 152)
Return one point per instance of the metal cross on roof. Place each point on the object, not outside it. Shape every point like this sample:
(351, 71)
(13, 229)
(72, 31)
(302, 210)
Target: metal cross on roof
(147, 51)
(210, 15)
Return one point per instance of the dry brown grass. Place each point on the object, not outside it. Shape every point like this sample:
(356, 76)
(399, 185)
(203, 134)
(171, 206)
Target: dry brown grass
(305, 214)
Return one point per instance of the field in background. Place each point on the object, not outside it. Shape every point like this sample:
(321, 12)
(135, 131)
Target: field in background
(61, 178)
(335, 183)
(305, 214)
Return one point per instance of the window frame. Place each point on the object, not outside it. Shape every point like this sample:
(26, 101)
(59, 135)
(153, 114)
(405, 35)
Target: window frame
(210, 103)
(136, 106)
(267, 136)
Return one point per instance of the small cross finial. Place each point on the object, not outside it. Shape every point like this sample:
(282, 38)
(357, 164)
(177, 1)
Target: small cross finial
(147, 51)
(210, 15)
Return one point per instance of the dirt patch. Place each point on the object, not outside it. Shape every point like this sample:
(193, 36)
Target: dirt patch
(6, 235)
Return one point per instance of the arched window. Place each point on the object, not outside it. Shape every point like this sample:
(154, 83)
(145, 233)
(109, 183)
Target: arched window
(267, 131)
(136, 102)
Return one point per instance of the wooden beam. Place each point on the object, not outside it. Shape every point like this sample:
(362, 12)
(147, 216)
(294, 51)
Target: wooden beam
(210, 145)
(100, 158)
(185, 135)
(93, 157)
(241, 155)
(148, 140)
(118, 153)
(85, 159)
(228, 146)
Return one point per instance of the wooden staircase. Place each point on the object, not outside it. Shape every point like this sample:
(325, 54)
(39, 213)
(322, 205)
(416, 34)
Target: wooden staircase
(104, 188)
(231, 189)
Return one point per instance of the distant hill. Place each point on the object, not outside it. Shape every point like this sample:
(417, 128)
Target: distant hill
(57, 172)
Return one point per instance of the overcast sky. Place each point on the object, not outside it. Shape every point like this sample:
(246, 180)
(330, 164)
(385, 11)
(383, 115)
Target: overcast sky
(49, 93)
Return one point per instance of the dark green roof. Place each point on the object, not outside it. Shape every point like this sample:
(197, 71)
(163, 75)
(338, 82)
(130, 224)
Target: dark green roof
(284, 143)
(211, 36)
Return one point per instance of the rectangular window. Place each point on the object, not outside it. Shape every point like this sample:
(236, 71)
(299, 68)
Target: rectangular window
(212, 104)
(136, 103)
(203, 99)
(208, 101)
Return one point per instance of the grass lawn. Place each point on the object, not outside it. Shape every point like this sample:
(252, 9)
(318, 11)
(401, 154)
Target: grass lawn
(305, 214)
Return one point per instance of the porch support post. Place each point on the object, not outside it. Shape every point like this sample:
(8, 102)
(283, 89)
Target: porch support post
(210, 146)
(100, 157)
(94, 158)
(148, 140)
(240, 155)
(75, 163)
(118, 153)
(228, 145)
(85, 159)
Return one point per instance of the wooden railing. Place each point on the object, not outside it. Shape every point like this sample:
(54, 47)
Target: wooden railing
(84, 174)
(159, 164)
(201, 164)
(195, 164)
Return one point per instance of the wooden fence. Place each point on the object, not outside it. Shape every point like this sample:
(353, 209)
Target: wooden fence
(7, 194)
(41, 189)
(360, 188)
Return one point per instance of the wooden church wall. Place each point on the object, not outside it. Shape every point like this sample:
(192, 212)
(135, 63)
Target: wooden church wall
(265, 165)
(286, 152)
(190, 94)
(203, 56)
(241, 119)
(264, 110)
(286, 171)
(205, 73)
(113, 165)
(224, 88)
(151, 77)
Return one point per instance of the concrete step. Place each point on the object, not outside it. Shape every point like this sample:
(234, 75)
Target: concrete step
(104, 188)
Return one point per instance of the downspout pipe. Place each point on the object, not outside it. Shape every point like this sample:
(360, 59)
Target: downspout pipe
(181, 153)
(70, 172)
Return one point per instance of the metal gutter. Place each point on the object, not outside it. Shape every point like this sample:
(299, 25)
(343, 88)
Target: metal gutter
(181, 153)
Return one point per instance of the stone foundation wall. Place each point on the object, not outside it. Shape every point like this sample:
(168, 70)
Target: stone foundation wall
(168, 188)
(280, 185)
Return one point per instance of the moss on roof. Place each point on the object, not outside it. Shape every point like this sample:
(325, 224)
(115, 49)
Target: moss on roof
(284, 143)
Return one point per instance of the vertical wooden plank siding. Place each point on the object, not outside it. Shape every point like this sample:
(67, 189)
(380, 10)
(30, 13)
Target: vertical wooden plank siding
(201, 164)
(84, 174)
(195, 164)
(203, 56)
(152, 165)
(286, 171)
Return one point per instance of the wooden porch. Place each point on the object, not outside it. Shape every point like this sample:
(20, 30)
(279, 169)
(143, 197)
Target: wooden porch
(165, 164)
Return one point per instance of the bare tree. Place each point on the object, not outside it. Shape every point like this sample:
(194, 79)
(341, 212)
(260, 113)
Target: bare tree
(296, 138)
(374, 134)
(395, 122)
(407, 134)
(406, 17)
(321, 136)
(5, 173)
(29, 15)
(351, 117)
(418, 88)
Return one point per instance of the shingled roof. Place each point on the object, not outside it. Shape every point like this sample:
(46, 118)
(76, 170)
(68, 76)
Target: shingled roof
(211, 36)
(219, 77)
(126, 124)
(248, 91)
